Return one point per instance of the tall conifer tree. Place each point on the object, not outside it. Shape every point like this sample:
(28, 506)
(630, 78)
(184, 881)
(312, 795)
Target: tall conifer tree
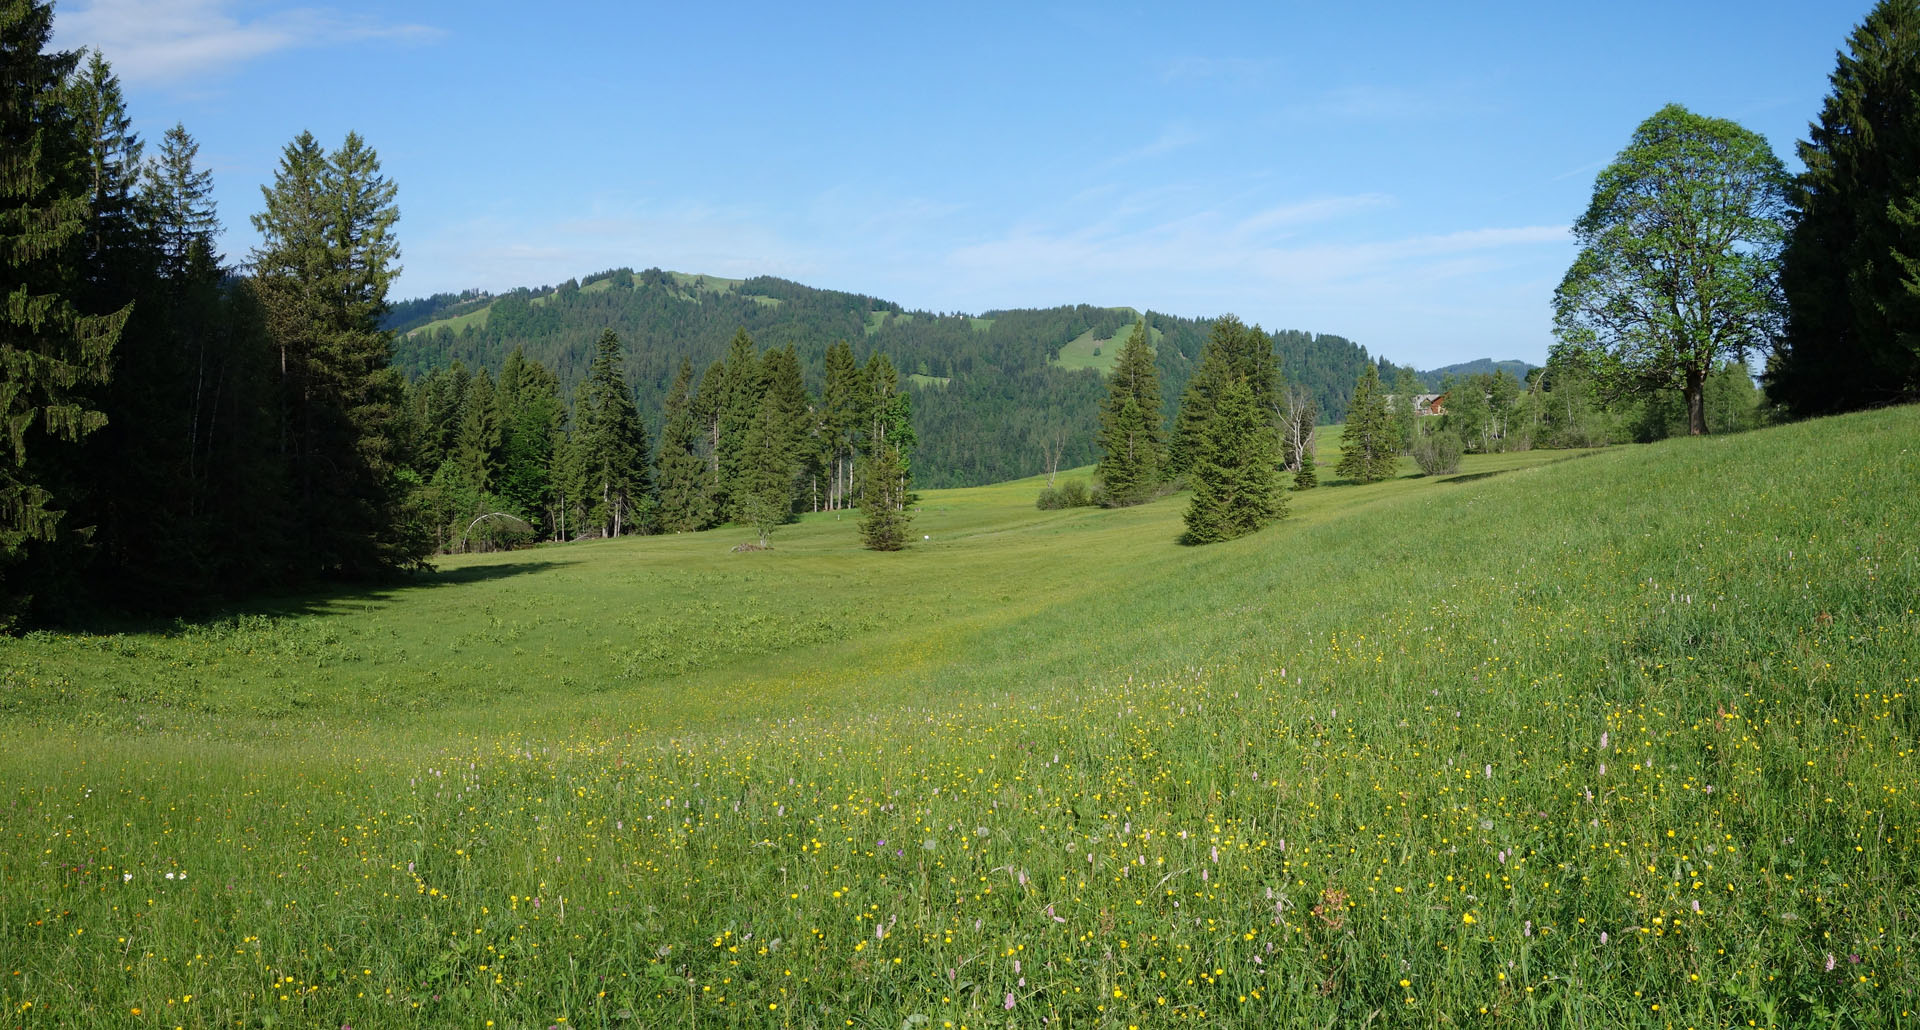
(1851, 266)
(1131, 453)
(610, 444)
(1368, 450)
(52, 354)
(686, 481)
(1235, 479)
(325, 260)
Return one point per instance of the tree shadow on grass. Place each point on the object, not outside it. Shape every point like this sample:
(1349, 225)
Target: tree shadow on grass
(321, 599)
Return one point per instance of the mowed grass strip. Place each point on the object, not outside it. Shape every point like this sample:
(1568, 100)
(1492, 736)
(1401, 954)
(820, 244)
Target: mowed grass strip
(1621, 740)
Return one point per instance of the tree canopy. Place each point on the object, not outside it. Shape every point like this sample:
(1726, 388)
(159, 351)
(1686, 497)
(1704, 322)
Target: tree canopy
(1678, 258)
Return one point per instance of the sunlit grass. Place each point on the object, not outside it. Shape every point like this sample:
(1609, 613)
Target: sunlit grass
(1627, 739)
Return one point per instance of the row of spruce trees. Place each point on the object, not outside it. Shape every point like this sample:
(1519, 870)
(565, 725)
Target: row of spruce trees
(178, 431)
(175, 430)
(500, 461)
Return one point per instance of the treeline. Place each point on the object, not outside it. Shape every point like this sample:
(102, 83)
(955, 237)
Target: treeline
(990, 403)
(500, 461)
(177, 431)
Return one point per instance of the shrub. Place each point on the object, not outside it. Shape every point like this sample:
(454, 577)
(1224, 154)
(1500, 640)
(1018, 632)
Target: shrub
(1073, 493)
(1438, 454)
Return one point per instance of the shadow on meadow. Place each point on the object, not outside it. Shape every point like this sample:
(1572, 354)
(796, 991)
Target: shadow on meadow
(322, 599)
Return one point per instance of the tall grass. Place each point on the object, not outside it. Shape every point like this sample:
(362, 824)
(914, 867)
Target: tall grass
(1626, 740)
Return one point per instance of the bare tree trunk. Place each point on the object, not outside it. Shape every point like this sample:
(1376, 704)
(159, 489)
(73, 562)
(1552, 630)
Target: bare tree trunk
(1696, 402)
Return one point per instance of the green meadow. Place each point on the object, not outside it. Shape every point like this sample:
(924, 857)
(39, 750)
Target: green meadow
(1568, 739)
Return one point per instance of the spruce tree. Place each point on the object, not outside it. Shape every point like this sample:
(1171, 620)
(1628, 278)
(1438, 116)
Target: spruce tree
(1368, 454)
(1235, 486)
(1234, 350)
(840, 422)
(763, 495)
(52, 354)
(736, 405)
(686, 481)
(530, 417)
(325, 260)
(884, 518)
(1851, 266)
(1131, 454)
(610, 444)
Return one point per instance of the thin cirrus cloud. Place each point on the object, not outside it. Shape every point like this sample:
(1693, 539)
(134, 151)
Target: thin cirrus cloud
(176, 40)
(1236, 71)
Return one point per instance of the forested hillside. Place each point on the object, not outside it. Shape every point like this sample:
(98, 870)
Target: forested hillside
(992, 393)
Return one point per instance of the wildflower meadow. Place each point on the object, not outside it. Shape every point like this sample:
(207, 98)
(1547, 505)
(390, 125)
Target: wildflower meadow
(1623, 738)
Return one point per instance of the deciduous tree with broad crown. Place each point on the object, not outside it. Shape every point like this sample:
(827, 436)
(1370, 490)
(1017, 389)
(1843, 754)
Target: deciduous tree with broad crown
(1678, 266)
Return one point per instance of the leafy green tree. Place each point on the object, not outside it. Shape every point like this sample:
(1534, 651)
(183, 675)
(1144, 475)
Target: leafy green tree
(52, 354)
(1368, 448)
(686, 481)
(321, 271)
(1235, 485)
(789, 421)
(609, 443)
(1130, 449)
(1678, 260)
(1849, 269)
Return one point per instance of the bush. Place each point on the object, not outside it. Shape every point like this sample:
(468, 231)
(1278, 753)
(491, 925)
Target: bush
(1438, 454)
(1071, 494)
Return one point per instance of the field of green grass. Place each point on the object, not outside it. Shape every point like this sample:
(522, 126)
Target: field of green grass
(1624, 738)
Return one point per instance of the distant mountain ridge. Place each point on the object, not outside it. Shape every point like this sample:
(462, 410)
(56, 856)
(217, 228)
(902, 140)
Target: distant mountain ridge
(987, 390)
(1433, 378)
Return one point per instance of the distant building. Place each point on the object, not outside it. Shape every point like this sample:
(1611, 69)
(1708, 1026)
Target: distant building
(1424, 403)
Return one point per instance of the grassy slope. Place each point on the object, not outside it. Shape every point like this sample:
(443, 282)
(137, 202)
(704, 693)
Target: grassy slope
(1444, 732)
(1078, 353)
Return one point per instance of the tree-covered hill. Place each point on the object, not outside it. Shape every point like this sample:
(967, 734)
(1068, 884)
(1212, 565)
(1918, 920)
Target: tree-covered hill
(1435, 378)
(988, 389)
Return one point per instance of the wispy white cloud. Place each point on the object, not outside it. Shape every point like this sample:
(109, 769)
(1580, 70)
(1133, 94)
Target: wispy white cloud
(1236, 71)
(174, 40)
(1172, 138)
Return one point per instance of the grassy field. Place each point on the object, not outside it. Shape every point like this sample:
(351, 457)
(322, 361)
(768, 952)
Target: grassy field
(1078, 353)
(1612, 739)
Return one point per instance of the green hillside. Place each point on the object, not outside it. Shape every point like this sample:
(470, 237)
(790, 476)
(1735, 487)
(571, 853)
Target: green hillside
(987, 387)
(1621, 739)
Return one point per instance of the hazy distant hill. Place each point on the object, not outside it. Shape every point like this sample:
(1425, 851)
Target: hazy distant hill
(986, 388)
(1480, 366)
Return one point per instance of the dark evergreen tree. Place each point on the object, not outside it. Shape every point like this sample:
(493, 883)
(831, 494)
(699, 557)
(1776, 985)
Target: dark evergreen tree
(1235, 486)
(884, 518)
(840, 422)
(531, 416)
(1234, 350)
(322, 268)
(791, 418)
(1851, 267)
(686, 480)
(610, 445)
(737, 402)
(1131, 455)
(52, 353)
(1368, 451)
(763, 494)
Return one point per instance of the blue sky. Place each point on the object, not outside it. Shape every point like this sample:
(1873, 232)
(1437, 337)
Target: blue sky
(1400, 174)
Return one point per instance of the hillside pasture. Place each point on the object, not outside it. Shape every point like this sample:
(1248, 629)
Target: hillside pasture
(1622, 738)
